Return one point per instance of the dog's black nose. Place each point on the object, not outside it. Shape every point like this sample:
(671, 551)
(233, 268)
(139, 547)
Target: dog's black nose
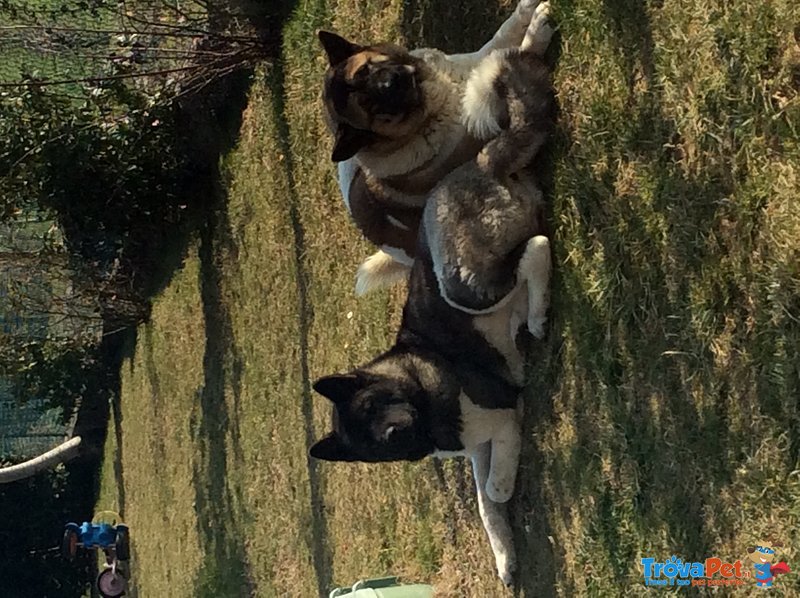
(388, 79)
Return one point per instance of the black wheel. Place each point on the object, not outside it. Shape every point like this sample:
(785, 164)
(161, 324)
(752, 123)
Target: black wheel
(69, 544)
(123, 545)
(111, 584)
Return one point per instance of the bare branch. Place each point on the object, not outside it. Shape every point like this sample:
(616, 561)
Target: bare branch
(48, 29)
(44, 83)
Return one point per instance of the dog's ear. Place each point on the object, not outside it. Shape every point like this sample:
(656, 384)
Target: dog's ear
(336, 47)
(339, 388)
(331, 448)
(348, 141)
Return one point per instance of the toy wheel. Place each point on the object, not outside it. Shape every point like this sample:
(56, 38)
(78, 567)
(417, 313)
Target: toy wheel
(69, 544)
(111, 584)
(123, 546)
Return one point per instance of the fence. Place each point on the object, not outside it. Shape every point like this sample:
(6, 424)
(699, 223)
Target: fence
(29, 429)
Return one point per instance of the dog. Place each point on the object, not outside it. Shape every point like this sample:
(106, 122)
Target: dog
(451, 383)
(396, 117)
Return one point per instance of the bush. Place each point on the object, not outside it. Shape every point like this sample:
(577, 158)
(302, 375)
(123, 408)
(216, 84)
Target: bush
(34, 514)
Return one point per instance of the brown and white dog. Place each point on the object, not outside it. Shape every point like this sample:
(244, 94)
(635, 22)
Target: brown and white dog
(397, 118)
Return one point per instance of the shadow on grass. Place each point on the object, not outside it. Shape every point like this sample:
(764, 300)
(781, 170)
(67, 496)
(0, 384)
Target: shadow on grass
(211, 122)
(430, 24)
(317, 541)
(631, 354)
(650, 397)
(225, 570)
(119, 473)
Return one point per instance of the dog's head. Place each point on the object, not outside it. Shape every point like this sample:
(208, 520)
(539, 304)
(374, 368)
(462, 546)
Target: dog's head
(371, 93)
(376, 418)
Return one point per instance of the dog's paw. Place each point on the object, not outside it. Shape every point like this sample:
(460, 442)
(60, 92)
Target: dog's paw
(506, 567)
(526, 8)
(538, 302)
(499, 491)
(540, 16)
(540, 30)
(378, 271)
(536, 325)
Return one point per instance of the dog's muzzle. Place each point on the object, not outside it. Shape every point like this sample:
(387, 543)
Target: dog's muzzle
(395, 90)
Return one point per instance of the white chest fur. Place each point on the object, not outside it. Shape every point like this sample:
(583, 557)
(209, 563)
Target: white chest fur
(479, 426)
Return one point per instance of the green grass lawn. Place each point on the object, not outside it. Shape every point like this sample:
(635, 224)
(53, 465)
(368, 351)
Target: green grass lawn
(663, 407)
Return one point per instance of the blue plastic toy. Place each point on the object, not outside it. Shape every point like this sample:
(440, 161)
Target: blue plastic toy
(103, 533)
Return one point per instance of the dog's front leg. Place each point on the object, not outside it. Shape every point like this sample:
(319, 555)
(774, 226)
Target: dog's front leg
(506, 444)
(539, 33)
(534, 268)
(509, 35)
(494, 517)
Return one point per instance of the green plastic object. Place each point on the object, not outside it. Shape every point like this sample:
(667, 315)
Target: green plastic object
(383, 587)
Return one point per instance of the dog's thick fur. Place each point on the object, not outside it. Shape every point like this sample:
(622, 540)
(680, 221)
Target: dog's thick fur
(451, 383)
(396, 116)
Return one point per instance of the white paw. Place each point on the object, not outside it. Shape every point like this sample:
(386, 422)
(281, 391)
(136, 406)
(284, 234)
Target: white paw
(541, 15)
(535, 266)
(506, 567)
(538, 302)
(536, 324)
(540, 31)
(526, 8)
(499, 491)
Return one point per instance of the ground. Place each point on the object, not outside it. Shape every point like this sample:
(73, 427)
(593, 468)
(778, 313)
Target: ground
(662, 414)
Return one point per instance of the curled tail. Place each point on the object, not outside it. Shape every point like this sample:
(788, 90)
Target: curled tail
(380, 270)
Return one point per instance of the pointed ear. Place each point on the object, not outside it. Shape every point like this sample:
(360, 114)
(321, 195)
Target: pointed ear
(336, 47)
(331, 448)
(339, 388)
(348, 141)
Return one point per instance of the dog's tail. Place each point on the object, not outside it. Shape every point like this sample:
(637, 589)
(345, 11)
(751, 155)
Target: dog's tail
(378, 271)
(482, 106)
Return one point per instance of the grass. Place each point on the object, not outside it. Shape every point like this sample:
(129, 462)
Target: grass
(663, 407)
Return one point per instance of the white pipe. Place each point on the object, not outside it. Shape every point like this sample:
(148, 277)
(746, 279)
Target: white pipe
(63, 452)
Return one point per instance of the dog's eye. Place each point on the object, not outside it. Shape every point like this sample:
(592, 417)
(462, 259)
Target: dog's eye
(362, 71)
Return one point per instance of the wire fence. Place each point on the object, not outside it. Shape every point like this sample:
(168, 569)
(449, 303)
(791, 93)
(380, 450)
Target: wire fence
(31, 428)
